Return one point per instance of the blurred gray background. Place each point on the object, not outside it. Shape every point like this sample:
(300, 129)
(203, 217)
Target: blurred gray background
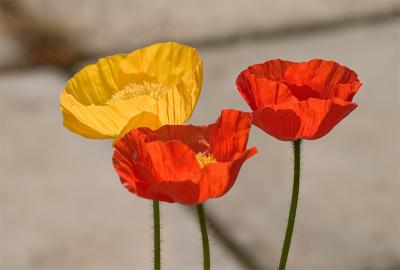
(62, 206)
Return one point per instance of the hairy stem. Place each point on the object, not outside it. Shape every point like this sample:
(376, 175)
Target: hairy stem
(293, 205)
(157, 235)
(204, 236)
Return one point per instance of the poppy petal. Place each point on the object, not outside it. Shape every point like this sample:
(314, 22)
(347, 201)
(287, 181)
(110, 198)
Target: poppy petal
(137, 178)
(253, 90)
(346, 91)
(73, 124)
(143, 119)
(171, 160)
(280, 122)
(338, 110)
(106, 121)
(273, 70)
(308, 119)
(193, 136)
(176, 65)
(213, 181)
(216, 179)
(229, 134)
(168, 62)
(142, 163)
(320, 75)
(95, 84)
(184, 192)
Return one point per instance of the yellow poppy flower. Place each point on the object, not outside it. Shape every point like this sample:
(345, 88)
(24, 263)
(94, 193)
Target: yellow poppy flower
(156, 85)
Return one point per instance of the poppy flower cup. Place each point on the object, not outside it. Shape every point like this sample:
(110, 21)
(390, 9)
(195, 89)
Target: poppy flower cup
(152, 86)
(184, 163)
(292, 101)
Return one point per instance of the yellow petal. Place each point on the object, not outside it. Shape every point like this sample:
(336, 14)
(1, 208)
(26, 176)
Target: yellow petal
(76, 126)
(175, 65)
(144, 119)
(162, 79)
(103, 121)
(96, 83)
(176, 106)
(162, 60)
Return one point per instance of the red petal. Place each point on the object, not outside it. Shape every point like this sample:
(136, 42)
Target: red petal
(273, 70)
(261, 85)
(185, 192)
(322, 76)
(171, 160)
(282, 122)
(127, 160)
(193, 136)
(346, 91)
(213, 181)
(337, 110)
(217, 178)
(308, 119)
(141, 164)
(229, 134)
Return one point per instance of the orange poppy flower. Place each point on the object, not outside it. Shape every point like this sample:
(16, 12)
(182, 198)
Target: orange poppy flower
(184, 163)
(304, 100)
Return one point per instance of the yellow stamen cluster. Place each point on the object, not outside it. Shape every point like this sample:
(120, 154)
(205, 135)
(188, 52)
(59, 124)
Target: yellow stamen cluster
(132, 90)
(205, 159)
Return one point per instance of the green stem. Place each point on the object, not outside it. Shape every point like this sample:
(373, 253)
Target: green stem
(157, 236)
(293, 205)
(204, 236)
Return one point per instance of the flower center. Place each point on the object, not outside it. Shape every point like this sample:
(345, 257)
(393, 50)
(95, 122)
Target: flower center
(205, 159)
(132, 90)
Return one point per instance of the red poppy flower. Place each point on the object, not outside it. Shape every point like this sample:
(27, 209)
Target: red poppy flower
(293, 101)
(184, 163)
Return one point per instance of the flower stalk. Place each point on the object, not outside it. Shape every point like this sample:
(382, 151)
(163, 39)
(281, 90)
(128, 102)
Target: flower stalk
(204, 236)
(157, 235)
(293, 205)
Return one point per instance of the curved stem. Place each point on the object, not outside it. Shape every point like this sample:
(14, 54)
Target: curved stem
(204, 236)
(293, 205)
(157, 235)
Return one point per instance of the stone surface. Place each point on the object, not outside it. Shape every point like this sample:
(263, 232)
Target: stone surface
(61, 204)
(349, 205)
(101, 26)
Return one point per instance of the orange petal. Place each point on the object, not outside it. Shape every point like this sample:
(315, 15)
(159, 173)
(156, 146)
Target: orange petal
(193, 136)
(259, 90)
(229, 134)
(213, 181)
(308, 119)
(171, 160)
(320, 75)
(216, 179)
(280, 122)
